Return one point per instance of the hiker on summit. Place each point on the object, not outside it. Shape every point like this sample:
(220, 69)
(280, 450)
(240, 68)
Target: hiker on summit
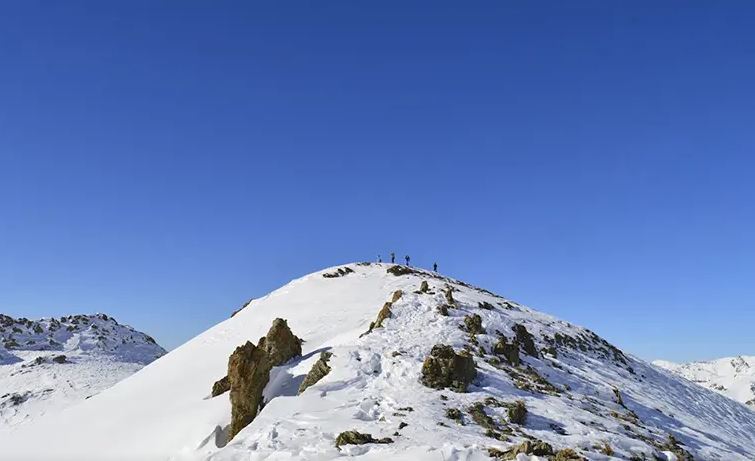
(435, 267)
(407, 258)
(380, 259)
(393, 258)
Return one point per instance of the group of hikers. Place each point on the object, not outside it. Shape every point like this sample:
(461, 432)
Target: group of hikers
(407, 259)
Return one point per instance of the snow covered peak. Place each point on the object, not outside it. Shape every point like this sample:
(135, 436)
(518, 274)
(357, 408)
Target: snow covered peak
(88, 334)
(733, 377)
(540, 385)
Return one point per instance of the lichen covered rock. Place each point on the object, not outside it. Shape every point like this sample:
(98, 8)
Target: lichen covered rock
(317, 372)
(509, 351)
(525, 340)
(281, 344)
(221, 386)
(248, 373)
(358, 438)
(444, 368)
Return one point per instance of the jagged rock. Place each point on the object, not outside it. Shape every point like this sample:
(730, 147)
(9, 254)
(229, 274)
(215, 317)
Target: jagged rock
(617, 397)
(473, 324)
(567, 454)
(280, 343)
(248, 373)
(443, 310)
(477, 412)
(424, 287)
(385, 313)
(357, 438)
(340, 272)
(396, 296)
(509, 351)
(444, 368)
(399, 270)
(221, 386)
(318, 371)
(524, 338)
(449, 293)
(455, 414)
(244, 306)
(518, 413)
(674, 447)
(485, 305)
(59, 359)
(528, 447)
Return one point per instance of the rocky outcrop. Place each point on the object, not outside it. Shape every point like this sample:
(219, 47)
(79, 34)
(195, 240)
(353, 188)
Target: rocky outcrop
(358, 438)
(396, 296)
(528, 447)
(444, 368)
(318, 371)
(399, 270)
(524, 338)
(509, 351)
(473, 324)
(221, 386)
(280, 343)
(340, 272)
(249, 372)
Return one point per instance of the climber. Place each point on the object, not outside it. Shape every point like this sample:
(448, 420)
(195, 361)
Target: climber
(393, 258)
(435, 267)
(380, 259)
(407, 259)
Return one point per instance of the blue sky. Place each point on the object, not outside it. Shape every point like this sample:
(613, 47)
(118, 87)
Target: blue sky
(594, 160)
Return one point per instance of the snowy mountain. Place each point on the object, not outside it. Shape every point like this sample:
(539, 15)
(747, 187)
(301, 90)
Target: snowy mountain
(379, 362)
(50, 364)
(733, 377)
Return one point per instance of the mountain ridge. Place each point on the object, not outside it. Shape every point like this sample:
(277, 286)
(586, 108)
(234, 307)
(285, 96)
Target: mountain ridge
(580, 396)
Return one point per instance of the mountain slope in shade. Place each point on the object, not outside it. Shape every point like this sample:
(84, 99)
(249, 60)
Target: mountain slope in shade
(50, 364)
(580, 392)
(733, 377)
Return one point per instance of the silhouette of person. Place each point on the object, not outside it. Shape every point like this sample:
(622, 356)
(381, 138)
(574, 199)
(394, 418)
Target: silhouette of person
(393, 258)
(380, 259)
(407, 259)
(435, 267)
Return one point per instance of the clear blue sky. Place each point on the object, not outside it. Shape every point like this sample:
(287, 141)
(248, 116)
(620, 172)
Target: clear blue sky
(163, 162)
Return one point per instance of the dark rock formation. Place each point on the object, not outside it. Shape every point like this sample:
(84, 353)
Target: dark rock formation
(396, 296)
(280, 343)
(449, 293)
(357, 438)
(518, 413)
(399, 270)
(59, 359)
(509, 351)
(318, 371)
(340, 272)
(473, 324)
(524, 338)
(221, 386)
(248, 373)
(444, 368)
(528, 447)
(424, 287)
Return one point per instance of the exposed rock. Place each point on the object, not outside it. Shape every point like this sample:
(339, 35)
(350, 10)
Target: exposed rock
(444, 368)
(357, 438)
(59, 359)
(567, 454)
(449, 293)
(244, 306)
(248, 373)
(221, 386)
(617, 397)
(280, 343)
(524, 338)
(518, 412)
(338, 273)
(443, 310)
(528, 447)
(399, 270)
(485, 305)
(509, 351)
(473, 324)
(455, 414)
(396, 296)
(424, 287)
(675, 447)
(477, 412)
(318, 371)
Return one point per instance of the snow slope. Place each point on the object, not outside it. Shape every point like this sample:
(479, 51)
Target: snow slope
(164, 411)
(50, 364)
(733, 377)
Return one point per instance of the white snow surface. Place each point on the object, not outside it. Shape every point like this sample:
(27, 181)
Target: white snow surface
(164, 411)
(733, 377)
(94, 352)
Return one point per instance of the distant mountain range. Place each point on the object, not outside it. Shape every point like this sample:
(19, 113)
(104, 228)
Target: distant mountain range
(733, 377)
(50, 364)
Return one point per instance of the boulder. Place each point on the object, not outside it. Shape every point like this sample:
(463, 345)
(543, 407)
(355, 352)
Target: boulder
(524, 338)
(473, 324)
(318, 371)
(509, 351)
(444, 368)
(357, 438)
(221, 386)
(396, 296)
(424, 287)
(280, 343)
(59, 359)
(248, 373)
